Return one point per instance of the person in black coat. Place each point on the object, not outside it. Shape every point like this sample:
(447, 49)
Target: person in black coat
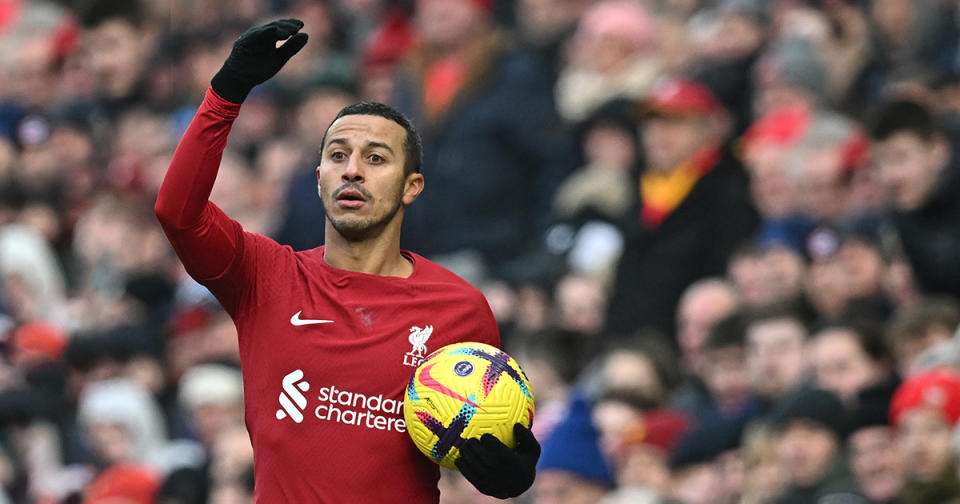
(494, 148)
(692, 209)
(919, 166)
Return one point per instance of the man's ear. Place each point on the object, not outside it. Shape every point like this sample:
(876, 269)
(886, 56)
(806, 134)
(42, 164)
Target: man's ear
(319, 189)
(941, 151)
(412, 187)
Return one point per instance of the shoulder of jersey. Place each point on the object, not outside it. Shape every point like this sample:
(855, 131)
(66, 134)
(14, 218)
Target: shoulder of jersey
(433, 272)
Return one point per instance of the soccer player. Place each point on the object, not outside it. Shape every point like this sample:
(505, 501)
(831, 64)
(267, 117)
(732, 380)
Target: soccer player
(330, 336)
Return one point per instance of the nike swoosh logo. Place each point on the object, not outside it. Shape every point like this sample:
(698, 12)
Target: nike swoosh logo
(297, 321)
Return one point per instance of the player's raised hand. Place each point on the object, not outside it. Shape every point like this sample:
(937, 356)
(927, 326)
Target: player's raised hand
(255, 57)
(497, 470)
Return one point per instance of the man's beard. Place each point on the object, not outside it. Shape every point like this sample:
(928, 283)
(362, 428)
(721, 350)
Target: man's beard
(357, 229)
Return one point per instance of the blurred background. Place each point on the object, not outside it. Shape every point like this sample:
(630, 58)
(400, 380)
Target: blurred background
(722, 237)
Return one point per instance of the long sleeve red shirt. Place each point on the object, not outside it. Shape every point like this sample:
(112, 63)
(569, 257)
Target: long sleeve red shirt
(326, 353)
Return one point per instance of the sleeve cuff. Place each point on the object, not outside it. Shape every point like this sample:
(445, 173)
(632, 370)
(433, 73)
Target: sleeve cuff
(220, 105)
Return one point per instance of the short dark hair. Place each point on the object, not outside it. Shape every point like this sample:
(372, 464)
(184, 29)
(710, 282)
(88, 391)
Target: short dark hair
(902, 116)
(727, 333)
(412, 145)
(93, 13)
(912, 322)
(795, 310)
(867, 333)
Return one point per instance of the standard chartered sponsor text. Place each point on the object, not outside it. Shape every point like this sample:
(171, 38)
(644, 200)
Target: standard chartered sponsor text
(354, 408)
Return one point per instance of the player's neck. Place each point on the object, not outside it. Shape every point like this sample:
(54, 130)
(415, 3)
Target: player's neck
(377, 255)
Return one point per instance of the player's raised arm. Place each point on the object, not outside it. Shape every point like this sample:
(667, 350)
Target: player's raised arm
(204, 238)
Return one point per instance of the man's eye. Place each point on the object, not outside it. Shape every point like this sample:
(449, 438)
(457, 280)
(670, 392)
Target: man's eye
(376, 158)
(338, 156)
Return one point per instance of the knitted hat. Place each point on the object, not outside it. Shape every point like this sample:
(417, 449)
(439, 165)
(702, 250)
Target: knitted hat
(211, 384)
(623, 19)
(815, 405)
(123, 483)
(40, 338)
(873, 407)
(794, 62)
(572, 446)
(661, 428)
(681, 97)
(707, 441)
(939, 388)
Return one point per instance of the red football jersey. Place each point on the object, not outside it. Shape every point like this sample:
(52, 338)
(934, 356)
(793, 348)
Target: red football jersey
(326, 353)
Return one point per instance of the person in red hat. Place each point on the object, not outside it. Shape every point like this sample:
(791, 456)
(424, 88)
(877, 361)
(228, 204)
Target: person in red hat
(924, 411)
(692, 206)
(123, 484)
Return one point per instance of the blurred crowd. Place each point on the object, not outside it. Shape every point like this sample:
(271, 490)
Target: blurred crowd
(721, 236)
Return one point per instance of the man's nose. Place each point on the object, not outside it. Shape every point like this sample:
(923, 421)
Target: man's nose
(354, 170)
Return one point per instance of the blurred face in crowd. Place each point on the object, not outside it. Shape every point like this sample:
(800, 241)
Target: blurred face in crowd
(111, 442)
(806, 449)
(444, 24)
(562, 487)
(542, 21)
(633, 371)
(893, 18)
(610, 147)
(702, 306)
(746, 271)
(824, 184)
(826, 286)
(669, 140)
(782, 271)
(775, 355)
(726, 377)
(731, 468)
(908, 347)
(581, 302)
(697, 484)
(773, 190)
(643, 465)
(876, 462)
(611, 418)
(118, 53)
(924, 439)
(864, 266)
(909, 167)
(840, 364)
(361, 177)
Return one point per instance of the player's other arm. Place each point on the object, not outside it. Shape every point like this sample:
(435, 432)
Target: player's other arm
(205, 239)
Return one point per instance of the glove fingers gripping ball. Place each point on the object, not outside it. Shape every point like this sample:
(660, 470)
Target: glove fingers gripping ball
(463, 391)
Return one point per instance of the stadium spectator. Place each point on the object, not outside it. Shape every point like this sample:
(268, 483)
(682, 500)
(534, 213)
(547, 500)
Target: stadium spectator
(874, 457)
(924, 411)
(917, 165)
(702, 305)
(776, 352)
(481, 136)
(692, 207)
(572, 470)
(811, 427)
(848, 357)
(725, 373)
(640, 460)
(916, 329)
(612, 55)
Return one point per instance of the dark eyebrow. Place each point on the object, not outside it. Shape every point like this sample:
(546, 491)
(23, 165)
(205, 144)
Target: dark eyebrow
(382, 146)
(343, 141)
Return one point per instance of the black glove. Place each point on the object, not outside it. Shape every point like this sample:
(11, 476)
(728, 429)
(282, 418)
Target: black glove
(497, 470)
(255, 58)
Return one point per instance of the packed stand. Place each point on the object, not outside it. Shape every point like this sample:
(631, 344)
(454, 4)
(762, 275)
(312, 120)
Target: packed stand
(721, 237)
